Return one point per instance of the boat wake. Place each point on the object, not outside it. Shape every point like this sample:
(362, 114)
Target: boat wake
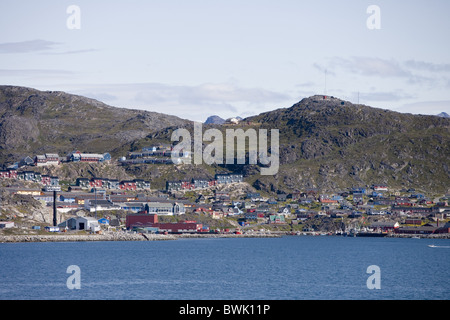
(433, 246)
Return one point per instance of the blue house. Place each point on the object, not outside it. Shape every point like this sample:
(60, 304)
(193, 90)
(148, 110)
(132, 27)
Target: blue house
(70, 198)
(359, 190)
(106, 157)
(103, 221)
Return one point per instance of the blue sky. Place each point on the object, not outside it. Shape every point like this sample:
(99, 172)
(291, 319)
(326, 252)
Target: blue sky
(197, 58)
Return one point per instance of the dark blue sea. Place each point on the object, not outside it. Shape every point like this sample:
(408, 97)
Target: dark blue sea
(288, 268)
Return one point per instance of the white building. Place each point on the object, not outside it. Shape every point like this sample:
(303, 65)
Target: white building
(81, 223)
(88, 223)
(165, 208)
(99, 205)
(6, 224)
(47, 159)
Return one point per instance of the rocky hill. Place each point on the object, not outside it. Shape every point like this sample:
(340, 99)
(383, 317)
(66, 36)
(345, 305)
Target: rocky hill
(328, 144)
(214, 120)
(33, 122)
(331, 144)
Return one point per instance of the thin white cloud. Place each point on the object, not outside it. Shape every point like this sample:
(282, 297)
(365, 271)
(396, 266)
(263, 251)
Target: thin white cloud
(39, 46)
(426, 107)
(72, 52)
(393, 96)
(27, 46)
(428, 66)
(190, 102)
(369, 66)
(412, 71)
(33, 72)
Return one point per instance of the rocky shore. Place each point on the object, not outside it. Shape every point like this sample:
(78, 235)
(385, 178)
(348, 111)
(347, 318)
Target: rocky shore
(422, 236)
(121, 236)
(229, 235)
(117, 236)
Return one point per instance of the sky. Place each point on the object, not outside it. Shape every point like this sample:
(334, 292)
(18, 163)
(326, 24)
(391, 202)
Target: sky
(197, 58)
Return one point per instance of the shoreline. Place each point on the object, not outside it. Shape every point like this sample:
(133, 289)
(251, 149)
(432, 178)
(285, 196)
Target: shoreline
(119, 236)
(84, 238)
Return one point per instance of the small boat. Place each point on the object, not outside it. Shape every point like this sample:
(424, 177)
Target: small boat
(432, 246)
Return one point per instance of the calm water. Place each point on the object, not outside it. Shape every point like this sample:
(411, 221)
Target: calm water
(289, 268)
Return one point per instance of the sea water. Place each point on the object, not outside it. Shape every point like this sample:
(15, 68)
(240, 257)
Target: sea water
(287, 268)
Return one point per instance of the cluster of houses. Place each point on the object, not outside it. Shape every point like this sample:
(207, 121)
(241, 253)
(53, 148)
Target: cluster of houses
(198, 183)
(83, 183)
(54, 159)
(99, 200)
(158, 154)
(142, 222)
(149, 223)
(411, 227)
(31, 176)
(113, 184)
(106, 196)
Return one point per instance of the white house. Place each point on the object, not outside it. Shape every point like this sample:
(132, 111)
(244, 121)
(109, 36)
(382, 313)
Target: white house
(165, 209)
(380, 187)
(99, 205)
(51, 229)
(284, 211)
(47, 159)
(6, 224)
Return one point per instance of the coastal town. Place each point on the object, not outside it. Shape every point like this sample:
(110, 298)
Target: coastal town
(223, 205)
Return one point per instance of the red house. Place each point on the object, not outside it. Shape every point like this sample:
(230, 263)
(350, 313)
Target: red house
(96, 183)
(212, 183)
(127, 185)
(11, 174)
(186, 185)
(46, 180)
(326, 199)
(4, 174)
(141, 220)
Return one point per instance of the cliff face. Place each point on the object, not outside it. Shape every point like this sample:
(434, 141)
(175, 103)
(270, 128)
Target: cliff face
(33, 121)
